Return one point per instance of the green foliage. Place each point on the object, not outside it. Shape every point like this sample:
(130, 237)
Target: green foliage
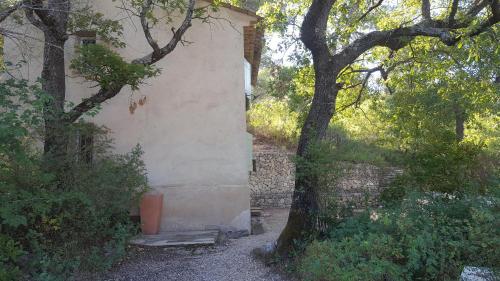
(439, 89)
(100, 64)
(350, 147)
(276, 82)
(50, 227)
(451, 167)
(352, 259)
(85, 19)
(273, 120)
(9, 257)
(410, 118)
(293, 85)
(425, 238)
(324, 164)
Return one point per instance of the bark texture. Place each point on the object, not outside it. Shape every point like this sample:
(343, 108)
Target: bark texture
(52, 19)
(302, 219)
(53, 83)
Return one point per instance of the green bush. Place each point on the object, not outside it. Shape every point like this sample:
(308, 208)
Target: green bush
(275, 121)
(426, 238)
(9, 257)
(353, 150)
(50, 227)
(451, 166)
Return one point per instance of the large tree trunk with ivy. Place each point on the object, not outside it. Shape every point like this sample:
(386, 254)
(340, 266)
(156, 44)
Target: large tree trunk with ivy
(327, 64)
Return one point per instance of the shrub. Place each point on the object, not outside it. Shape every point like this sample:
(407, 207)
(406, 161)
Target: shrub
(82, 227)
(50, 227)
(9, 257)
(426, 238)
(354, 150)
(451, 166)
(273, 120)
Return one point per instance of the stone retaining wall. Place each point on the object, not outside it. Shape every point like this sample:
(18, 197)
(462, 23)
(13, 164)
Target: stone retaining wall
(360, 185)
(272, 182)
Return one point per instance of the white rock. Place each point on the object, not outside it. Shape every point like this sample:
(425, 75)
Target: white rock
(471, 273)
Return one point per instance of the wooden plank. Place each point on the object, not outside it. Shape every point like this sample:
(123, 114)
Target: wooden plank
(184, 238)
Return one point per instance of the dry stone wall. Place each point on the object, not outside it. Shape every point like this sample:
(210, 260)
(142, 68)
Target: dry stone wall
(360, 185)
(272, 182)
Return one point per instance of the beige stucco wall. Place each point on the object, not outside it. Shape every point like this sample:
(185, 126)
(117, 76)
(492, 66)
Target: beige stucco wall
(192, 127)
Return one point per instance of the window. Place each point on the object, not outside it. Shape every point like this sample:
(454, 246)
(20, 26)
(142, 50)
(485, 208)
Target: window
(83, 38)
(86, 38)
(88, 41)
(84, 142)
(86, 146)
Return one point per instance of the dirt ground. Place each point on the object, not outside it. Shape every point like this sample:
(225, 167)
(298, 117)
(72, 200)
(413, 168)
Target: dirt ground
(232, 261)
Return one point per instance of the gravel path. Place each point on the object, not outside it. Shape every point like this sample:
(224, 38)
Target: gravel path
(230, 262)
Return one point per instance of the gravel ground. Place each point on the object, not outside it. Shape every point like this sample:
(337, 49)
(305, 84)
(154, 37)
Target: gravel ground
(230, 262)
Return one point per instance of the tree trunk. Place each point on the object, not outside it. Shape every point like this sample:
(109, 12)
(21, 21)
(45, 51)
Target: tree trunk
(302, 219)
(54, 85)
(459, 122)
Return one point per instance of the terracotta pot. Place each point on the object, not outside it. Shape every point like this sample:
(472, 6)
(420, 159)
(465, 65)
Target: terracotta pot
(150, 211)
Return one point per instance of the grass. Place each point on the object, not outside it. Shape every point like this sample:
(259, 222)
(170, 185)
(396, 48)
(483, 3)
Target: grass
(273, 122)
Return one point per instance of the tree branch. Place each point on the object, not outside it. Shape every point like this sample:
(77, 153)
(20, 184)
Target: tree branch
(485, 25)
(4, 14)
(475, 9)
(42, 13)
(426, 10)
(453, 12)
(384, 73)
(45, 19)
(170, 46)
(89, 103)
(371, 9)
(482, 27)
(30, 15)
(469, 15)
(400, 37)
(389, 38)
(146, 8)
(313, 30)
(357, 101)
(155, 56)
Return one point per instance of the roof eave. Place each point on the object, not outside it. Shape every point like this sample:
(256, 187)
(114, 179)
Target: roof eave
(237, 9)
